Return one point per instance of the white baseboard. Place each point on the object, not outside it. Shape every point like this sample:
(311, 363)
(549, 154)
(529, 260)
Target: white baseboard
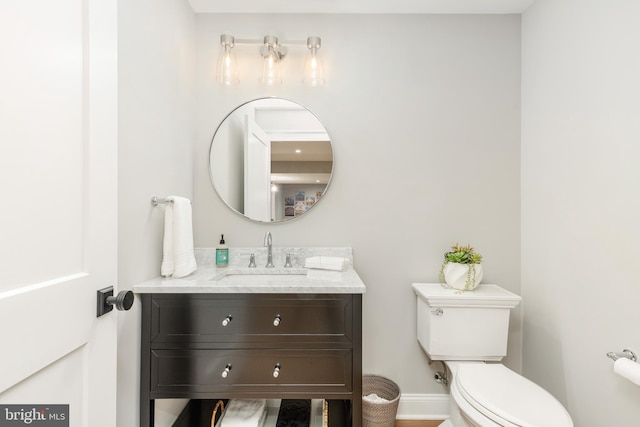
(423, 407)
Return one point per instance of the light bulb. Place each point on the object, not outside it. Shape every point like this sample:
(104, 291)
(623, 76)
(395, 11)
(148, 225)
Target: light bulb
(313, 67)
(227, 69)
(271, 62)
(271, 70)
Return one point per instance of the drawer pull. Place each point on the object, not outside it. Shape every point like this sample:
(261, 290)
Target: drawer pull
(226, 371)
(277, 320)
(276, 371)
(227, 320)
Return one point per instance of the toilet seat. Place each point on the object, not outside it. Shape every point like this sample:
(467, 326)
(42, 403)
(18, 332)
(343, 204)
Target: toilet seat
(507, 398)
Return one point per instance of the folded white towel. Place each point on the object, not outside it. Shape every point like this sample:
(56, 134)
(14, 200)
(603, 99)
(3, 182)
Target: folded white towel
(245, 413)
(326, 263)
(178, 259)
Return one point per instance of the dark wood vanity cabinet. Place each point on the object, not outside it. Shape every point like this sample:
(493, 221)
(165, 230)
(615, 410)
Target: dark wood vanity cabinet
(274, 346)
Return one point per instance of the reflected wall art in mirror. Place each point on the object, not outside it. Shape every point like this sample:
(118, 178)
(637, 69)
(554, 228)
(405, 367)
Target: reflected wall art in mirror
(271, 160)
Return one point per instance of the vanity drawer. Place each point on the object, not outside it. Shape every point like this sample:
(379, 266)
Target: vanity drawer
(203, 371)
(250, 318)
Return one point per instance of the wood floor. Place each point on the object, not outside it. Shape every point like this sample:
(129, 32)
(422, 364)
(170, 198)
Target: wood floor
(411, 423)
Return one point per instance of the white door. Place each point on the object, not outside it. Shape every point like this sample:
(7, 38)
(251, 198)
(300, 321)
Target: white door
(257, 172)
(58, 159)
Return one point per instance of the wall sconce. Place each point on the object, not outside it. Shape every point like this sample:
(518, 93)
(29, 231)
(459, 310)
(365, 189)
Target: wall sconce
(227, 69)
(313, 67)
(273, 52)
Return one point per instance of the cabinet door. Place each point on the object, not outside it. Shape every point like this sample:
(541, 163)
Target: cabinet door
(251, 319)
(233, 372)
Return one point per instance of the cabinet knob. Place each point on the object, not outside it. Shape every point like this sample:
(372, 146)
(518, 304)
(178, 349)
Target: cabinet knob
(276, 371)
(227, 320)
(277, 320)
(438, 311)
(226, 371)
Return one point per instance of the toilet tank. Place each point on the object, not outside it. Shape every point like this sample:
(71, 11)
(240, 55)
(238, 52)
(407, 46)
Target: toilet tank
(472, 325)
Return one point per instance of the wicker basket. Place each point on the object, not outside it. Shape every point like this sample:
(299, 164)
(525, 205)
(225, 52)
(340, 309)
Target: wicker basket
(379, 414)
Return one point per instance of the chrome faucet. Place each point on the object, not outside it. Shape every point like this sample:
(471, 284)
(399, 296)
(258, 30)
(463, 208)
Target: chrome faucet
(268, 243)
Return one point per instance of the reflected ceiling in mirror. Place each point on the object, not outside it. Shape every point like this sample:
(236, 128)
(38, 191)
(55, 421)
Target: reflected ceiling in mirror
(271, 160)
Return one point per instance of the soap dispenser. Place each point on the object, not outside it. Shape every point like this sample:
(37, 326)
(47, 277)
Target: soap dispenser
(222, 254)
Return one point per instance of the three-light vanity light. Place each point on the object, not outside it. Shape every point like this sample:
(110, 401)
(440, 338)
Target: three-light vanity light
(272, 52)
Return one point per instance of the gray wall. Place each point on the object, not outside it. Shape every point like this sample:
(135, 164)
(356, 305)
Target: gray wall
(156, 56)
(580, 206)
(424, 115)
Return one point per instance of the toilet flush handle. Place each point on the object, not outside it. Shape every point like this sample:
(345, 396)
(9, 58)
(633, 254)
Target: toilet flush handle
(438, 311)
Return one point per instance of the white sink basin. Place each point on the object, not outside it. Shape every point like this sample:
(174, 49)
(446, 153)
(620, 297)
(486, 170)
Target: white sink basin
(261, 274)
(266, 279)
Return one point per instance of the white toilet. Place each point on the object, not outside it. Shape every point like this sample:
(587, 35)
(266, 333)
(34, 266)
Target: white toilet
(468, 331)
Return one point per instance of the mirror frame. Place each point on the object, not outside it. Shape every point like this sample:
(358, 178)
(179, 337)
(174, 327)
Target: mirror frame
(286, 219)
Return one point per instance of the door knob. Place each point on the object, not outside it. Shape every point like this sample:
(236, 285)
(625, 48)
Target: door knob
(123, 301)
(106, 300)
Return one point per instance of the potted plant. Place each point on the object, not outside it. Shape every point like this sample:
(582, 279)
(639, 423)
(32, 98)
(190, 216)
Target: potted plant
(461, 268)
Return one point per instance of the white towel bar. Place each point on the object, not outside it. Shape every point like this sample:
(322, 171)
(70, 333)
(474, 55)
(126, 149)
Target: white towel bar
(155, 201)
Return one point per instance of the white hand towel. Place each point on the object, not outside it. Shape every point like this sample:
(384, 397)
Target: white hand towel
(326, 262)
(178, 259)
(245, 413)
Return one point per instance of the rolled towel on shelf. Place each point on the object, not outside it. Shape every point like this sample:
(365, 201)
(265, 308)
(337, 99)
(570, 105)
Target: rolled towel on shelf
(294, 413)
(245, 413)
(178, 259)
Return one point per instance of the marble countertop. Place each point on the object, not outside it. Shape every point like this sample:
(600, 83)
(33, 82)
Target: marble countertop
(238, 278)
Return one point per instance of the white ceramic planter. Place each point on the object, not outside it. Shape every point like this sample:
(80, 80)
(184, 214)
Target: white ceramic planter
(456, 275)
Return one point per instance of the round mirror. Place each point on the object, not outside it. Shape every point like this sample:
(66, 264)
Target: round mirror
(271, 160)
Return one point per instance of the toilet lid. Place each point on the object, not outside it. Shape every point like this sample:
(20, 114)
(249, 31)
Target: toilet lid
(501, 394)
